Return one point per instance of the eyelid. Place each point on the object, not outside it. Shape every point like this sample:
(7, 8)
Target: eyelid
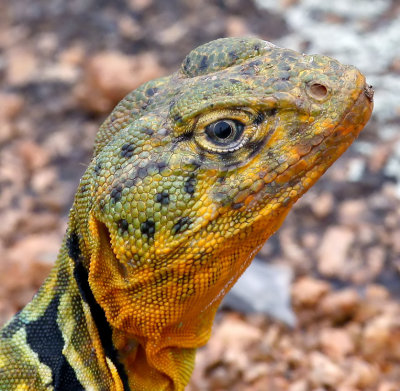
(244, 116)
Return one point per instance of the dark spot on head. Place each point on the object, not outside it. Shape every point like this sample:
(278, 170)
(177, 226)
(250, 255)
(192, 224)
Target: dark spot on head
(144, 106)
(190, 185)
(181, 225)
(116, 193)
(233, 55)
(127, 150)
(177, 118)
(97, 168)
(148, 228)
(161, 165)
(123, 225)
(285, 67)
(149, 169)
(259, 119)
(130, 182)
(272, 112)
(255, 63)
(257, 47)
(186, 64)
(142, 172)
(163, 132)
(238, 205)
(72, 243)
(217, 85)
(148, 131)
(221, 178)
(284, 76)
(113, 117)
(162, 198)
(151, 91)
(204, 62)
(234, 81)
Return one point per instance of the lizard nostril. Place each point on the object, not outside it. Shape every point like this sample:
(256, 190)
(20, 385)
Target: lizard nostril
(318, 91)
(369, 92)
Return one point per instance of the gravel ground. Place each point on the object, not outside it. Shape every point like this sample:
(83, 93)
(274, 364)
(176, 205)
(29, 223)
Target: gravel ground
(64, 65)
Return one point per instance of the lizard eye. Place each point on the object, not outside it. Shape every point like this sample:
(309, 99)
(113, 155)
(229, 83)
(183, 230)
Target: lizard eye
(224, 131)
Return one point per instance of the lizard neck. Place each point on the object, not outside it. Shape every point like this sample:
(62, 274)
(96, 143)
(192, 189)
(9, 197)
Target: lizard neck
(143, 353)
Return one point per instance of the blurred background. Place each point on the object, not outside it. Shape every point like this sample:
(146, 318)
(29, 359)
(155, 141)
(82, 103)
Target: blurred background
(324, 313)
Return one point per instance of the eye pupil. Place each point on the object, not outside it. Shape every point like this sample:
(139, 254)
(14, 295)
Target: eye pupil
(224, 132)
(223, 129)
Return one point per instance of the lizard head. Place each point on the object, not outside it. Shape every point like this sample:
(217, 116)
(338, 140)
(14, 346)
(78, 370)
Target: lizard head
(193, 172)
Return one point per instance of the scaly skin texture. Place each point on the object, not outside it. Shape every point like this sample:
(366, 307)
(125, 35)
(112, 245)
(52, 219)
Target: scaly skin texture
(191, 174)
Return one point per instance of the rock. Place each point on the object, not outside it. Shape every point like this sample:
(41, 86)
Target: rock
(336, 343)
(340, 305)
(222, 377)
(233, 337)
(263, 288)
(377, 302)
(256, 371)
(109, 76)
(21, 66)
(333, 251)
(299, 385)
(11, 106)
(386, 385)
(323, 205)
(43, 180)
(380, 334)
(291, 249)
(375, 292)
(375, 261)
(73, 55)
(37, 253)
(236, 27)
(307, 291)
(361, 374)
(351, 211)
(33, 155)
(395, 236)
(346, 388)
(324, 372)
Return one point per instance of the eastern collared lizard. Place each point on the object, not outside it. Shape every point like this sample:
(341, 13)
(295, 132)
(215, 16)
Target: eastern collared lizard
(190, 175)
